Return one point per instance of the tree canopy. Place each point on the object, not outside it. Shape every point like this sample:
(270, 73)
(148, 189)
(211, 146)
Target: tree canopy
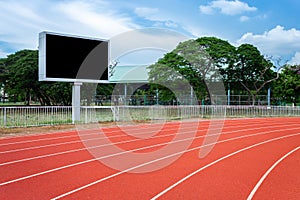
(287, 87)
(244, 69)
(198, 63)
(19, 81)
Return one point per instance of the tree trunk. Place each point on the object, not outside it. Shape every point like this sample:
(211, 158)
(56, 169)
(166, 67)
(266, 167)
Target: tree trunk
(253, 99)
(27, 98)
(209, 95)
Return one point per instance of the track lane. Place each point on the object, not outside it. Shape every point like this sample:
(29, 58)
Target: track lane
(105, 189)
(137, 186)
(70, 158)
(83, 177)
(50, 148)
(44, 151)
(234, 177)
(65, 134)
(284, 180)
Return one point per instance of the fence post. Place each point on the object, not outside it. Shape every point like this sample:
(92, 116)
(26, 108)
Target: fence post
(192, 95)
(269, 98)
(228, 97)
(52, 115)
(86, 115)
(114, 113)
(4, 117)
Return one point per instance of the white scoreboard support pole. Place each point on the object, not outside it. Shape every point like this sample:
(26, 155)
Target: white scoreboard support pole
(76, 102)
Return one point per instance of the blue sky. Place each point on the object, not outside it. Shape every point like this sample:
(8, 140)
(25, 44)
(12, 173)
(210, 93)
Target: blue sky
(272, 26)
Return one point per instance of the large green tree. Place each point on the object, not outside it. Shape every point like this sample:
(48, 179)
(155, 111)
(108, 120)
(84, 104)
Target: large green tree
(19, 79)
(252, 70)
(223, 54)
(19, 75)
(287, 87)
(243, 68)
(221, 51)
(168, 73)
(187, 62)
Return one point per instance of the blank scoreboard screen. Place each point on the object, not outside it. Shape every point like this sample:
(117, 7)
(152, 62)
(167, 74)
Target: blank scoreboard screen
(72, 59)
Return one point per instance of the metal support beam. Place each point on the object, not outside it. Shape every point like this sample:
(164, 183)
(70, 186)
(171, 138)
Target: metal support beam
(76, 102)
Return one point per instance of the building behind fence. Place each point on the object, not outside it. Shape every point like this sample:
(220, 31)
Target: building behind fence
(55, 115)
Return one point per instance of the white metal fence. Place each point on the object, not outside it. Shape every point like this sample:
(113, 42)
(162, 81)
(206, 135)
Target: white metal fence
(39, 116)
(34, 116)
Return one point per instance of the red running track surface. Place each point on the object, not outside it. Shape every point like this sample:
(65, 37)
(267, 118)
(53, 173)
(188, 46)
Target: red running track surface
(255, 158)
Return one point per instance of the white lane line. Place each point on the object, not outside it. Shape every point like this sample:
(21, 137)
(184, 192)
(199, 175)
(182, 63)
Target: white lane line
(73, 141)
(71, 136)
(41, 139)
(86, 161)
(35, 135)
(49, 133)
(77, 141)
(171, 155)
(74, 131)
(268, 172)
(61, 132)
(115, 136)
(76, 135)
(44, 146)
(216, 161)
(128, 141)
(107, 156)
(81, 149)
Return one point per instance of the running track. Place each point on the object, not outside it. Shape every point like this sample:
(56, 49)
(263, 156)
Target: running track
(252, 159)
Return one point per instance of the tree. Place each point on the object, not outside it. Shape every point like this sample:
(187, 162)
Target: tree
(287, 87)
(21, 69)
(19, 77)
(243, 68)
(2, 78)
(252, 70)
(188, 62)
(221, 51)
(59, 93)
(223, 54)
(169, 71)
(105, 89)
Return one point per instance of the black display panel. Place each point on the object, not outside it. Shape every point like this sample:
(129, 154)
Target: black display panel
(69, 58)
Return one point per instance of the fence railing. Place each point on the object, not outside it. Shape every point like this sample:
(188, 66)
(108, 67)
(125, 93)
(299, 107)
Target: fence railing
(35, 116)
(55, 115)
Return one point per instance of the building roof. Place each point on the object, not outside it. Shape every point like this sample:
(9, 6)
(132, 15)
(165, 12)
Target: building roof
(129, 74)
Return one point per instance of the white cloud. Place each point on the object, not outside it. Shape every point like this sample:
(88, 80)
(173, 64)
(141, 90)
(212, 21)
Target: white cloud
(147, 13)
(277, 41)
(295, 59)
(149, 38)
(170, 20)
(227, 7)
(20, 24)
(171, 24)
(105, 22)
(196, 31)
(244, 18)
(208, 10)
(23, 20)
(154, 14)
